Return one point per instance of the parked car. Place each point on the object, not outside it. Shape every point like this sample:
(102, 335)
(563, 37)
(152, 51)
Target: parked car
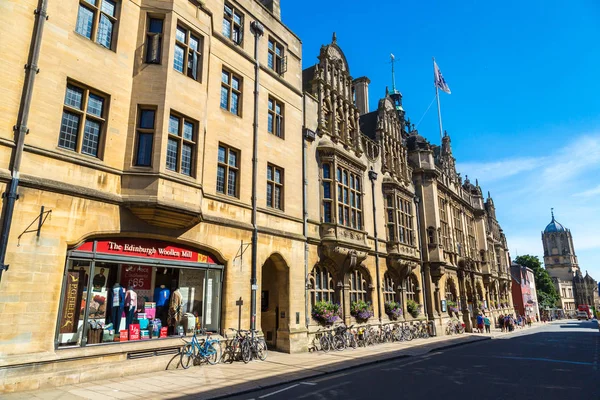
(582, 315)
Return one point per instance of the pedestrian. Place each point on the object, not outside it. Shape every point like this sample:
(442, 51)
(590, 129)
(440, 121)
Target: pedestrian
(479, 323)
(487, 323)
(501, 322)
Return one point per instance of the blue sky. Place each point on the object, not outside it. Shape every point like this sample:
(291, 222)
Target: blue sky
(524, 114)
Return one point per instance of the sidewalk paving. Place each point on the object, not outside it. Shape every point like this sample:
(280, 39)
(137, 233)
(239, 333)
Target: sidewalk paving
(211, 382)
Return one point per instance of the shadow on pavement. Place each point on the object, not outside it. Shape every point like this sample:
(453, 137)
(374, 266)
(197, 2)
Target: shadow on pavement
(573, 346)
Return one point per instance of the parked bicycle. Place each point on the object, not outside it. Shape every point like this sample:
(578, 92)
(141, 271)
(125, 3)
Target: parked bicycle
(205, 349)
(253, 346)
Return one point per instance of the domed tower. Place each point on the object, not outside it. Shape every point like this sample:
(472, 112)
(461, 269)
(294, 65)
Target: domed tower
(559, 253)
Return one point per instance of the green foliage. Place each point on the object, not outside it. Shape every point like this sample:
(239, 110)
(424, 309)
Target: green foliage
(413, 308)
(361, 310)
(546, 292)
(326, 312)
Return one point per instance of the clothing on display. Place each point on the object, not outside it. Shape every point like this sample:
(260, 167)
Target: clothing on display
(116, 305)
(161, 295)
(130, 306)
(175, 309)
(99, 281)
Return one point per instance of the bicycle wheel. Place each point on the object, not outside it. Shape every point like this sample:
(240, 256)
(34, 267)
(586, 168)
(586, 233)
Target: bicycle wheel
(246, 351)
(213, 352)
(325, 343)
(339, 343)
(261, 349)
(188, 354)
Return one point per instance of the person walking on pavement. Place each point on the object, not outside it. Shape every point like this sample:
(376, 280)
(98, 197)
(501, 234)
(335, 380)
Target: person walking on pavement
(487, 323)
(479, 323)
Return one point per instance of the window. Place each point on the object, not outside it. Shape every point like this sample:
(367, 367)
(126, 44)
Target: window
(154, 33)
(458, 231)
(358, 286)
(275, 119)
(228, 170)
(274, 187)
(390, 291)
(233, 24)
(412, 286)
(231, 92)
(450, 290)
(276, 60)
(181, 144)
(83, 119)
(322, 288)
(187, 53)
(145, 137)
(471, 234)
(399, 219)
(327, 193)
(97, 20)
(445, 228)
(349, 197)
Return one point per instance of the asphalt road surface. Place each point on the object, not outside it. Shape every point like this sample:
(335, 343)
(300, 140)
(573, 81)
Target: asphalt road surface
(555, 361)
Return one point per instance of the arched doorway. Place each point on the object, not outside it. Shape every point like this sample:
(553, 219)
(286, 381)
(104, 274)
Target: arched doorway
(274, 303)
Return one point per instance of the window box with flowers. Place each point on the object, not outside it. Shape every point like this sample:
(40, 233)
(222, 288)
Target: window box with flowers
(361, 310)
(326, 313)
(413, 308)
(393, 310)
(452, 307)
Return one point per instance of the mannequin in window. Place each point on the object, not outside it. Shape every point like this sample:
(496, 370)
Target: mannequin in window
(130, 306)
(161, 297)
(175, 309)
(116, 305)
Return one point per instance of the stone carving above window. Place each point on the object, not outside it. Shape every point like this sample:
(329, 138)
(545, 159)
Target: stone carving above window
(338, 116)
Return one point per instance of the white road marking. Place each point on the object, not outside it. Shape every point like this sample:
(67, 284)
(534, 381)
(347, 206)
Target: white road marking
(313, 393)
(308, 383)
(279, 391)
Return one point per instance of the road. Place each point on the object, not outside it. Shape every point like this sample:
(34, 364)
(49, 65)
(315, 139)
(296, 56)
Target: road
(555, 361)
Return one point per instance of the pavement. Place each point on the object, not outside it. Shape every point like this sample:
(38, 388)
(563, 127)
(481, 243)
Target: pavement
(552, 362)
(261, 378)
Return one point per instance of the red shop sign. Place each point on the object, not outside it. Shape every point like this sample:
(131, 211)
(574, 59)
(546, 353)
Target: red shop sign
(155, 249)
(138, 276)
(134, 332)
(123, 337)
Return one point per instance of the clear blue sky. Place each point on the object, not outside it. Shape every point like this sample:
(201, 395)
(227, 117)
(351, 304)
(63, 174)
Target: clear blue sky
(524, 114)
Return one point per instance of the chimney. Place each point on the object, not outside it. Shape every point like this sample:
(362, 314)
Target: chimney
(273, 6)
(361, 93)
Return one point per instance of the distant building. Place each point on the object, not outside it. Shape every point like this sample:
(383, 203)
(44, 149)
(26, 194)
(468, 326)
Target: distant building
(524, 291)
(561, 263)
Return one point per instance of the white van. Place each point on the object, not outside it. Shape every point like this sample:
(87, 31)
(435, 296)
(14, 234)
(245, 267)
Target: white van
(582, 315)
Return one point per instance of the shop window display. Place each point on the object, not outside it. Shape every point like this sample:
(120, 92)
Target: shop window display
(106, 302)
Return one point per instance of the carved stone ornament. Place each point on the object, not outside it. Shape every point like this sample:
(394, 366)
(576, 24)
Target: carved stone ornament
(341, 255)
(401, 266)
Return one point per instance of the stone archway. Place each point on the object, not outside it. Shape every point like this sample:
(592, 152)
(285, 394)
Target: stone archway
(275, 303)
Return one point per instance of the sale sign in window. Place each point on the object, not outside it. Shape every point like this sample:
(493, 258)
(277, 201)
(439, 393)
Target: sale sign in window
(137, 276)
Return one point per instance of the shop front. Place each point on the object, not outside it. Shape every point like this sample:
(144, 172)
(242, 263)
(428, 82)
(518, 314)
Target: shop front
(127, 289)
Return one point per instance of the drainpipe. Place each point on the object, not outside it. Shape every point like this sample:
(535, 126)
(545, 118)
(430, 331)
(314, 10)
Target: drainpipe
(257, 30)
(20, 129)
(308, 136)
(373, 178)
(424, 283)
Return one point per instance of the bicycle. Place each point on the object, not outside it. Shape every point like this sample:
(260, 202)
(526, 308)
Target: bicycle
(207, 349)
(232, 350)
(324, 339)
(253, 346)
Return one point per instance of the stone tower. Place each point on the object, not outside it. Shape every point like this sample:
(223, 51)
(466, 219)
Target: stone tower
(559, 253)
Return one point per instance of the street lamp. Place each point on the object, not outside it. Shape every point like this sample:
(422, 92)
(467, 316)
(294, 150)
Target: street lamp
(373, 178)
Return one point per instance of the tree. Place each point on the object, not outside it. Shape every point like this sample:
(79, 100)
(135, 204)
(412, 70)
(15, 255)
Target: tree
(546, 292)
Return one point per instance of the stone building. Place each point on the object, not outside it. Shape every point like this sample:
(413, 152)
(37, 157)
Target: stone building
(140, 195)
(395, 221)
(561, 263)
(523, 291)
(137, 170)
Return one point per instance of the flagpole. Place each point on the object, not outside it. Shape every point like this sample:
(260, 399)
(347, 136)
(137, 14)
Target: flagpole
(437, 96)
